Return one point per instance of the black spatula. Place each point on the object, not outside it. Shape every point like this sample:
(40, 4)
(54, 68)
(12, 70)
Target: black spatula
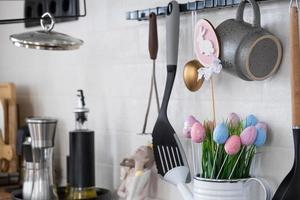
(168, 152)
(289, 188)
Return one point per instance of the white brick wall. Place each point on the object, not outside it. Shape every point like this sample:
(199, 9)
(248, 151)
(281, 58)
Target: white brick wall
(113, 68)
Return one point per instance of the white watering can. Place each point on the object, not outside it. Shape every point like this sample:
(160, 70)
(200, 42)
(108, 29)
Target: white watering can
(212, 189)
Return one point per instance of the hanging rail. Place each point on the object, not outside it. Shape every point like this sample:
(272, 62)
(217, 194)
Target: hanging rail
(23, 20)
(184, 8)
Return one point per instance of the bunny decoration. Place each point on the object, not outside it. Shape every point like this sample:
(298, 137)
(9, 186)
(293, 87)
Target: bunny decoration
(207, 47)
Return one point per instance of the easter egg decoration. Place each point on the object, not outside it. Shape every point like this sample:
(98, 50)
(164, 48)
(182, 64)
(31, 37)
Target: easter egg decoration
(188, 125)
(248, 137)
(207, 50)
(190, 72)
(250, 120)
(262, 125)
(221, 133)
(233, 119)
(232, 147)
(191, 77)
(206, 43)
(220, 136)
(261, 137)
(197, 136)
(197, 132)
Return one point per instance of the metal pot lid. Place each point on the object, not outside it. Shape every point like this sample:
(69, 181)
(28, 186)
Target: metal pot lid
(46, 39)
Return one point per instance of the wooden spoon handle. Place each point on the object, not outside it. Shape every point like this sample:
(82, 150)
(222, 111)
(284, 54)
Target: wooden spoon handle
(295, 66)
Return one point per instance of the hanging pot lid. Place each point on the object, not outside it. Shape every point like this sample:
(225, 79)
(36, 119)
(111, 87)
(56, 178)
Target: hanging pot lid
(46, 39)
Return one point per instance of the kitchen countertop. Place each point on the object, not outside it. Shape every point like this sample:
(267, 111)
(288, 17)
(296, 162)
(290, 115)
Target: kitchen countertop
(4, 195)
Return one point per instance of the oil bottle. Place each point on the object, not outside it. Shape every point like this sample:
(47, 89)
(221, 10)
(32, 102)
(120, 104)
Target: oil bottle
(82, 156)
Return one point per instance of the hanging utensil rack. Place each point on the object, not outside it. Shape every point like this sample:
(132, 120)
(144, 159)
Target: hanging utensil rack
(184, 8)
(23, 20)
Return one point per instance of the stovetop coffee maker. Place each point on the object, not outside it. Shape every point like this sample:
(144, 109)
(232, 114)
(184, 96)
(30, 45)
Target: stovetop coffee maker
(42, 132)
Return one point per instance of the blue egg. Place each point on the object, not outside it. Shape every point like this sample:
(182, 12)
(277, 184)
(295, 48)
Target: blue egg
(221, 134)
(261, 137)
(250, 120)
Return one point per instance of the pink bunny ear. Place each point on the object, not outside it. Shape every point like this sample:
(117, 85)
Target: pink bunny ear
(209, 38)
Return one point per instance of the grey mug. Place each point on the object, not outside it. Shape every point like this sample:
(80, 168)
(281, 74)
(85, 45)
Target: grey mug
(248, 50)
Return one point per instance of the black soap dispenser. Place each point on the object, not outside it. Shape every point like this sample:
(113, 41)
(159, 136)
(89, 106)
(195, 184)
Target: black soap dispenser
(82, 155)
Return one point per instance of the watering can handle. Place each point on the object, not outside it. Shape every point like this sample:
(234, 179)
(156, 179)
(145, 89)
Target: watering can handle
(264, 187)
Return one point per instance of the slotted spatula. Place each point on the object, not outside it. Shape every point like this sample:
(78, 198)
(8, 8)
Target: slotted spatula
(170, 158)
(289, 187)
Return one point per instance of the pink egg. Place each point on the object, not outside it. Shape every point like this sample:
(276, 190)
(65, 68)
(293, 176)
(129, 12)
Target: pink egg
(233, 145)
(233, 119)
(197, 132)
(190, 120)
(188, 125)
(262, 125)
(248, 135)
(186, 132)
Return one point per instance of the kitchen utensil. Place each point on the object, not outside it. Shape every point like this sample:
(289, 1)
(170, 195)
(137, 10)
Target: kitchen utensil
(284, 185)
(46, 39)
(289, 188)
(8, 93)
(153, 48)
(248, 50)
(42, 132)
(169, 156)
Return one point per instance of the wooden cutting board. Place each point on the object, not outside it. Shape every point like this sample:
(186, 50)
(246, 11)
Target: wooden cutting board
(4, 195)
(8, 97)
(4, 119)
(6, 151)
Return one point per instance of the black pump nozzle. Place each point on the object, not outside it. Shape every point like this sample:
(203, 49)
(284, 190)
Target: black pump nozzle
(81, 111)
(80, 94)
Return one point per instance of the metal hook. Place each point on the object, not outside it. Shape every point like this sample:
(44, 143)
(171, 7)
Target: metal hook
(291, 3)
(47, 27)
